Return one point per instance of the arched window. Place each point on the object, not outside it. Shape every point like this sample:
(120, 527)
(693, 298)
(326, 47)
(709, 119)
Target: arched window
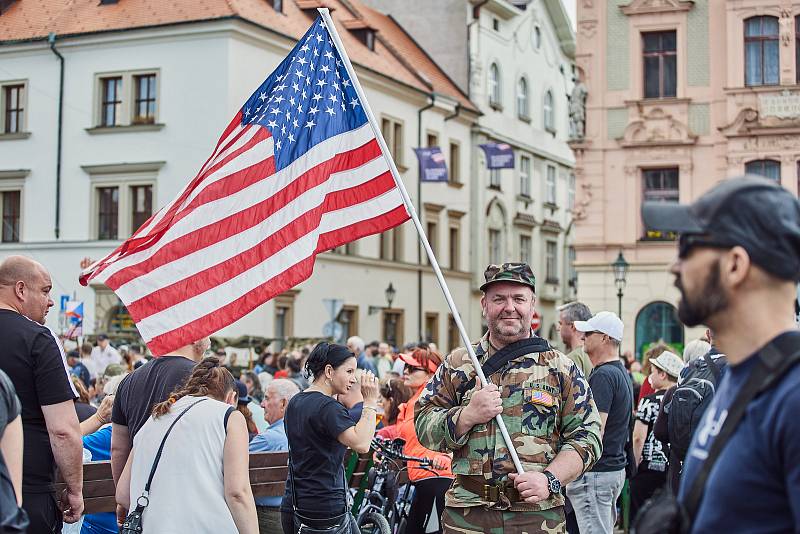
(549, 112)
(761, 51)
(494, 85)
(658, 321)
(522, 99)
(768, 168)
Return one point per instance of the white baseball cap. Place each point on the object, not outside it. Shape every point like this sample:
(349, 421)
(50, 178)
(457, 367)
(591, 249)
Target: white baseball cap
(606, 322)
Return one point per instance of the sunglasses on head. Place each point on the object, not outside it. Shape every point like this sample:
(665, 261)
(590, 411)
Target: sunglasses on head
(687, 243)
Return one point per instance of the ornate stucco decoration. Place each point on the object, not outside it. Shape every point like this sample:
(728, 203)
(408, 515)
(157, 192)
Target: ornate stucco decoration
(750, 121)
(579, 211)
(656, 127)
(640, 7)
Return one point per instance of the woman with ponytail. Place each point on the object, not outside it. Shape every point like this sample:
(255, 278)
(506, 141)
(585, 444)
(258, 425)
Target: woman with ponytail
(202, 483)
(319, 430)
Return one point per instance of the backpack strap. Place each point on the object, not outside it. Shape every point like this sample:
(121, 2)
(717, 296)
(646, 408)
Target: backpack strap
(715, 370)
(772, 365)
(499, 359)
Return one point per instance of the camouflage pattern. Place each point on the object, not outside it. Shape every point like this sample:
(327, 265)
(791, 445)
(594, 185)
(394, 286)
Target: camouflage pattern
(477, 520)
(509, 272)
(547, 408)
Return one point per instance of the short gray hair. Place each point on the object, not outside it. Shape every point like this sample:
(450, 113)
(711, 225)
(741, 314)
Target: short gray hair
(357, 342)
(285, 388)
(695, 349)
(575, 311)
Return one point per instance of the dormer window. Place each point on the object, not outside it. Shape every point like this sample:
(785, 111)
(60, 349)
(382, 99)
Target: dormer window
(362, 31)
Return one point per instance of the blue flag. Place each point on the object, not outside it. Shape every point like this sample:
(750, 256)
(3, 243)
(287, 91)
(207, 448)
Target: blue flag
(432, 167)
(498, 155)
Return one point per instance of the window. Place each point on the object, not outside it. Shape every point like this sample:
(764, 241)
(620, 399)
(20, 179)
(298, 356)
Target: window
(107, 212)
(455, 247)
(433, 236)
(393, 134)
(145, 104)
(112, 101)
(494, 86)
(660, 64)
(767, 168)
(572, 273)
(660, 185)
(549, 112)
(282, 325)
(454, 175)
(393, 327)
(522, 99)
(432, 328)
(13, 98)
(11, 209)
(495, 24)
(551, 262)
(525, 176)
(550, 184)
(797, 48)
(537, 38)
(761, 51)
(494, 178)
(141, 205)
(453, 337)
(348, 249)
(277, 5)
(391, 245)
(525, 249)
(571, 192)
(432, 140)
(495, 252)
(348, 318)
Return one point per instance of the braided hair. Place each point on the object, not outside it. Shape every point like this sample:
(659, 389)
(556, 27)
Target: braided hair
(208, 379)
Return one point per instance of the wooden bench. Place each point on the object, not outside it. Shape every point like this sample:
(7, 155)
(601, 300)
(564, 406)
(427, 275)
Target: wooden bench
(268, 473)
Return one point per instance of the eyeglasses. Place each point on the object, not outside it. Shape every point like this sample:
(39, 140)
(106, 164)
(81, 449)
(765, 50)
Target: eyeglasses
(687, 242)
(411, 369)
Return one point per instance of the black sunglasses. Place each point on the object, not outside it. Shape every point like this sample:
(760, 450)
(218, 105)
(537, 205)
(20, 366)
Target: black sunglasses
(687, 242)
(411, 369)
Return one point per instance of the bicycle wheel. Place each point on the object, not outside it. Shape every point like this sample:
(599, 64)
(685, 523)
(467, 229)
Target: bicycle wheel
(373, 523)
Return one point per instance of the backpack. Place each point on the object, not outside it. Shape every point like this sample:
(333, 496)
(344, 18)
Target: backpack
(690, 400)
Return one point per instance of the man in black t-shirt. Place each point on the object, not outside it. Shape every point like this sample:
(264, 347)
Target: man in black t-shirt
(143, 389)
(32, 359)
(594, 496)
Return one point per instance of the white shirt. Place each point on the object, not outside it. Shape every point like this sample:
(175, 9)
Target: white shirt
(188, 490)
(102, 358)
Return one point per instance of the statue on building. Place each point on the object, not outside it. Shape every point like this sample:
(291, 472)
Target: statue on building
(577, 110)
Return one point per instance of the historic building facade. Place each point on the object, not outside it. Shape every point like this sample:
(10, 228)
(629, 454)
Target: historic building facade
(515, 59)
(149, 86)
(681, 94)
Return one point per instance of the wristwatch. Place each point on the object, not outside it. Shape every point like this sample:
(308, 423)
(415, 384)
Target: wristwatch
(553, 484)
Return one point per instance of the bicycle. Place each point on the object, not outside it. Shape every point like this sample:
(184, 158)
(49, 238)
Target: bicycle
(384, 510)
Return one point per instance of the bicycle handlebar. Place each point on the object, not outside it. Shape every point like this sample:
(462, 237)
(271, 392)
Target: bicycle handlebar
(388, 450)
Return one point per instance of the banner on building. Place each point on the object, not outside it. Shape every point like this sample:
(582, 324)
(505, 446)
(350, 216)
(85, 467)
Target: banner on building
(498, 155)
(432, 167)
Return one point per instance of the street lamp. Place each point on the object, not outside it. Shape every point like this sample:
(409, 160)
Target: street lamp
(390, 293)
(620, 267)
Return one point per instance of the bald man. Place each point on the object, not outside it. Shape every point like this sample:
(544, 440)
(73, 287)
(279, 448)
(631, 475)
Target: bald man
(32, 358)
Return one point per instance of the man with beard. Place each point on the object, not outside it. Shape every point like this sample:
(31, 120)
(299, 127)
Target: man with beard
(544, 401)
(737, 266)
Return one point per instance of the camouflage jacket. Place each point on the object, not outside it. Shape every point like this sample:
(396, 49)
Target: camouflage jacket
(547, 408)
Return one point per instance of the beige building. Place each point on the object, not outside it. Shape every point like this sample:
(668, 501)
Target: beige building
(681, 95)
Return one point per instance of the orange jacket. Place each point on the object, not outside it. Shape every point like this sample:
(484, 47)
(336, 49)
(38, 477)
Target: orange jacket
(405, 422)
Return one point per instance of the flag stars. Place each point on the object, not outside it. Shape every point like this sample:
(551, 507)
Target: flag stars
(321, 82)
(325, 69)
(316, 97)
(328, 54)
(278, 144)
(303, 48)
(299, 74)
(354, 103)
(272, 124)
(302, 61)
(346, 83)
(291, 138)
(247, 112)
(319, 38)
(329, 111)
(313, 111)
(332, 97)
(310, 124)
(275, 111)
(263, 96)
(296, 87)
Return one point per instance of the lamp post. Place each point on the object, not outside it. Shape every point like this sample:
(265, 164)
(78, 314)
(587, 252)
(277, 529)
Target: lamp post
(390, 293)
(620, 267)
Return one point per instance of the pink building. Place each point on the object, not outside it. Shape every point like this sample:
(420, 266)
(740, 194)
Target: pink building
(681, 95)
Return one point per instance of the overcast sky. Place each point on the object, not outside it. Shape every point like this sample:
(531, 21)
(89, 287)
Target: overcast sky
(570, 5)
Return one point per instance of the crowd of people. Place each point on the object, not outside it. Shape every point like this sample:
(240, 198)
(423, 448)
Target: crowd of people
(680, 428)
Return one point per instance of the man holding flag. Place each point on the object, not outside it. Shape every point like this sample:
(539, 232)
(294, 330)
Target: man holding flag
(541, 396)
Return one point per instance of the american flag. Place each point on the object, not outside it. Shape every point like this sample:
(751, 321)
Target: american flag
(298, 171)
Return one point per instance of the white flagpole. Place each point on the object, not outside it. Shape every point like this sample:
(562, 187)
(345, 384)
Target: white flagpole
(417, 224)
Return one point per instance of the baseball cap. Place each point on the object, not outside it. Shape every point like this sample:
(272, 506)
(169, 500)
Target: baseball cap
(102, 337)
(241, 390)
(413, 362)
(605, 322)
(752, 212)
(520, 273)
(669, 362)
(113, 369)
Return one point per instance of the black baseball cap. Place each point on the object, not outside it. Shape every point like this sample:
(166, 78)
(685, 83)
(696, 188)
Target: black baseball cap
(752, 212)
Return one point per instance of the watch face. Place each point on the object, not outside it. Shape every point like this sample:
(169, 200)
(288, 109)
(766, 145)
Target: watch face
(554, 485)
